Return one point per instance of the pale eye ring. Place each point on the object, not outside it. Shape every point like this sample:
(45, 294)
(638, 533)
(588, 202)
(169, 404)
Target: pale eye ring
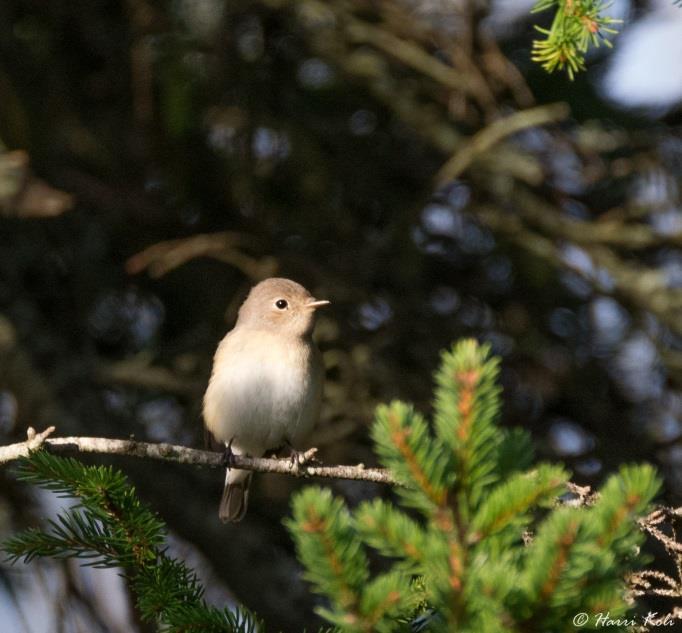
(281, 304)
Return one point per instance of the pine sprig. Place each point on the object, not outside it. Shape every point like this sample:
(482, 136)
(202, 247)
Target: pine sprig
(73, 535)
(624, 496)
(391, 532)
(580, 556)
(510, 502)
(335, 561)
(110, 527)
(404, 445)
(550, 554)
(337, 566)
(467, 404)
(577, 25)
(385, 599)
(473, 506)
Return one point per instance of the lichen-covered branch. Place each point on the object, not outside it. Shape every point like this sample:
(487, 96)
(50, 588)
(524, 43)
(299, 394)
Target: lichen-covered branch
(186, 455)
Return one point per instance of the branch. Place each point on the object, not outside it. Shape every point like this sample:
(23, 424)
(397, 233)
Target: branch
(579, 495)
(489, 136)
(300, 467)
(415, 57)
(185, 455)
(161, 258)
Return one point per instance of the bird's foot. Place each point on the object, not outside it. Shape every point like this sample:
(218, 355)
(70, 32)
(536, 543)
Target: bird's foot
(299, 459)
(228, 455)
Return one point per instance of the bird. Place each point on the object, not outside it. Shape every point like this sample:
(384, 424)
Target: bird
(265, 388)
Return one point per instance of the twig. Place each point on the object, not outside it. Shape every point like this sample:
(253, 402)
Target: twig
(33, 442)
(185, 455)
(641, 286)
(581, 496)
(161, 258)
(411, 55)
(137, 372)
(651, 582)
(489, 136)
(302, 467)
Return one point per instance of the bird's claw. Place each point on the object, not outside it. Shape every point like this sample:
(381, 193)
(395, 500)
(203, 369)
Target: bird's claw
(299, 459)
(228, 455)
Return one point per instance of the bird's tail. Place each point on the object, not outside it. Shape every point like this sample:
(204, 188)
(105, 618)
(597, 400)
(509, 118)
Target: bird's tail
(235, 496)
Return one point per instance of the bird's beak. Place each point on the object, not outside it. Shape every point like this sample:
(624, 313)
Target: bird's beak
(317, 303)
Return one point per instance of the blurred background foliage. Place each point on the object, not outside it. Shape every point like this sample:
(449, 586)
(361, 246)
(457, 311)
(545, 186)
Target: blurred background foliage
(407, 161)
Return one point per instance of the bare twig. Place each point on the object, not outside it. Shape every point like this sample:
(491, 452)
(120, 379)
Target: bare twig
(652, 582)
(34, 439)
(651, 525)
(581, 496)
(138, 372)
(411, 55)
(185, 455)
(24, 195)
(640, 285)
(159, 259)
(489, 136)
(33, 442)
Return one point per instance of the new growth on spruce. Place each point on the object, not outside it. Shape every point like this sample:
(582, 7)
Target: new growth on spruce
(110, 527)
(482, 542)
(577, 25)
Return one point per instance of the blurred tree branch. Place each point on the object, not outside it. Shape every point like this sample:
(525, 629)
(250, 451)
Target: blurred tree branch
(24, 195)
(489, 136)
(504, 171)
(139, 372)
(161, 258)
(641, 286)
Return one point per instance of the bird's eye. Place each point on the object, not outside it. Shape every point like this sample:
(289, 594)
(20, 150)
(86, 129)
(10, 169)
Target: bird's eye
(281, 304)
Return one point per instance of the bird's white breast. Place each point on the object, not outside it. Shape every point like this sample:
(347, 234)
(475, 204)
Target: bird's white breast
(262, 391)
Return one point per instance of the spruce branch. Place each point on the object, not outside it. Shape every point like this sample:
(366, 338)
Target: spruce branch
(337, 566)
(467, 402)
(577, 25)
(460, 559)
(550, 551)
(110, 527)
(391, 532)
(404, 446)
(510, 502)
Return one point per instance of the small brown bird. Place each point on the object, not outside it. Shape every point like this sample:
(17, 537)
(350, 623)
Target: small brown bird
(266, 385)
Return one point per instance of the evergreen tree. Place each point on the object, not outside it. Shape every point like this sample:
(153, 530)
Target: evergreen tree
(110, 527)
(481, 543)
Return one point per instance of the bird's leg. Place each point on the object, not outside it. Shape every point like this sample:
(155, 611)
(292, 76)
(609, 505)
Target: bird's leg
(228, 454)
